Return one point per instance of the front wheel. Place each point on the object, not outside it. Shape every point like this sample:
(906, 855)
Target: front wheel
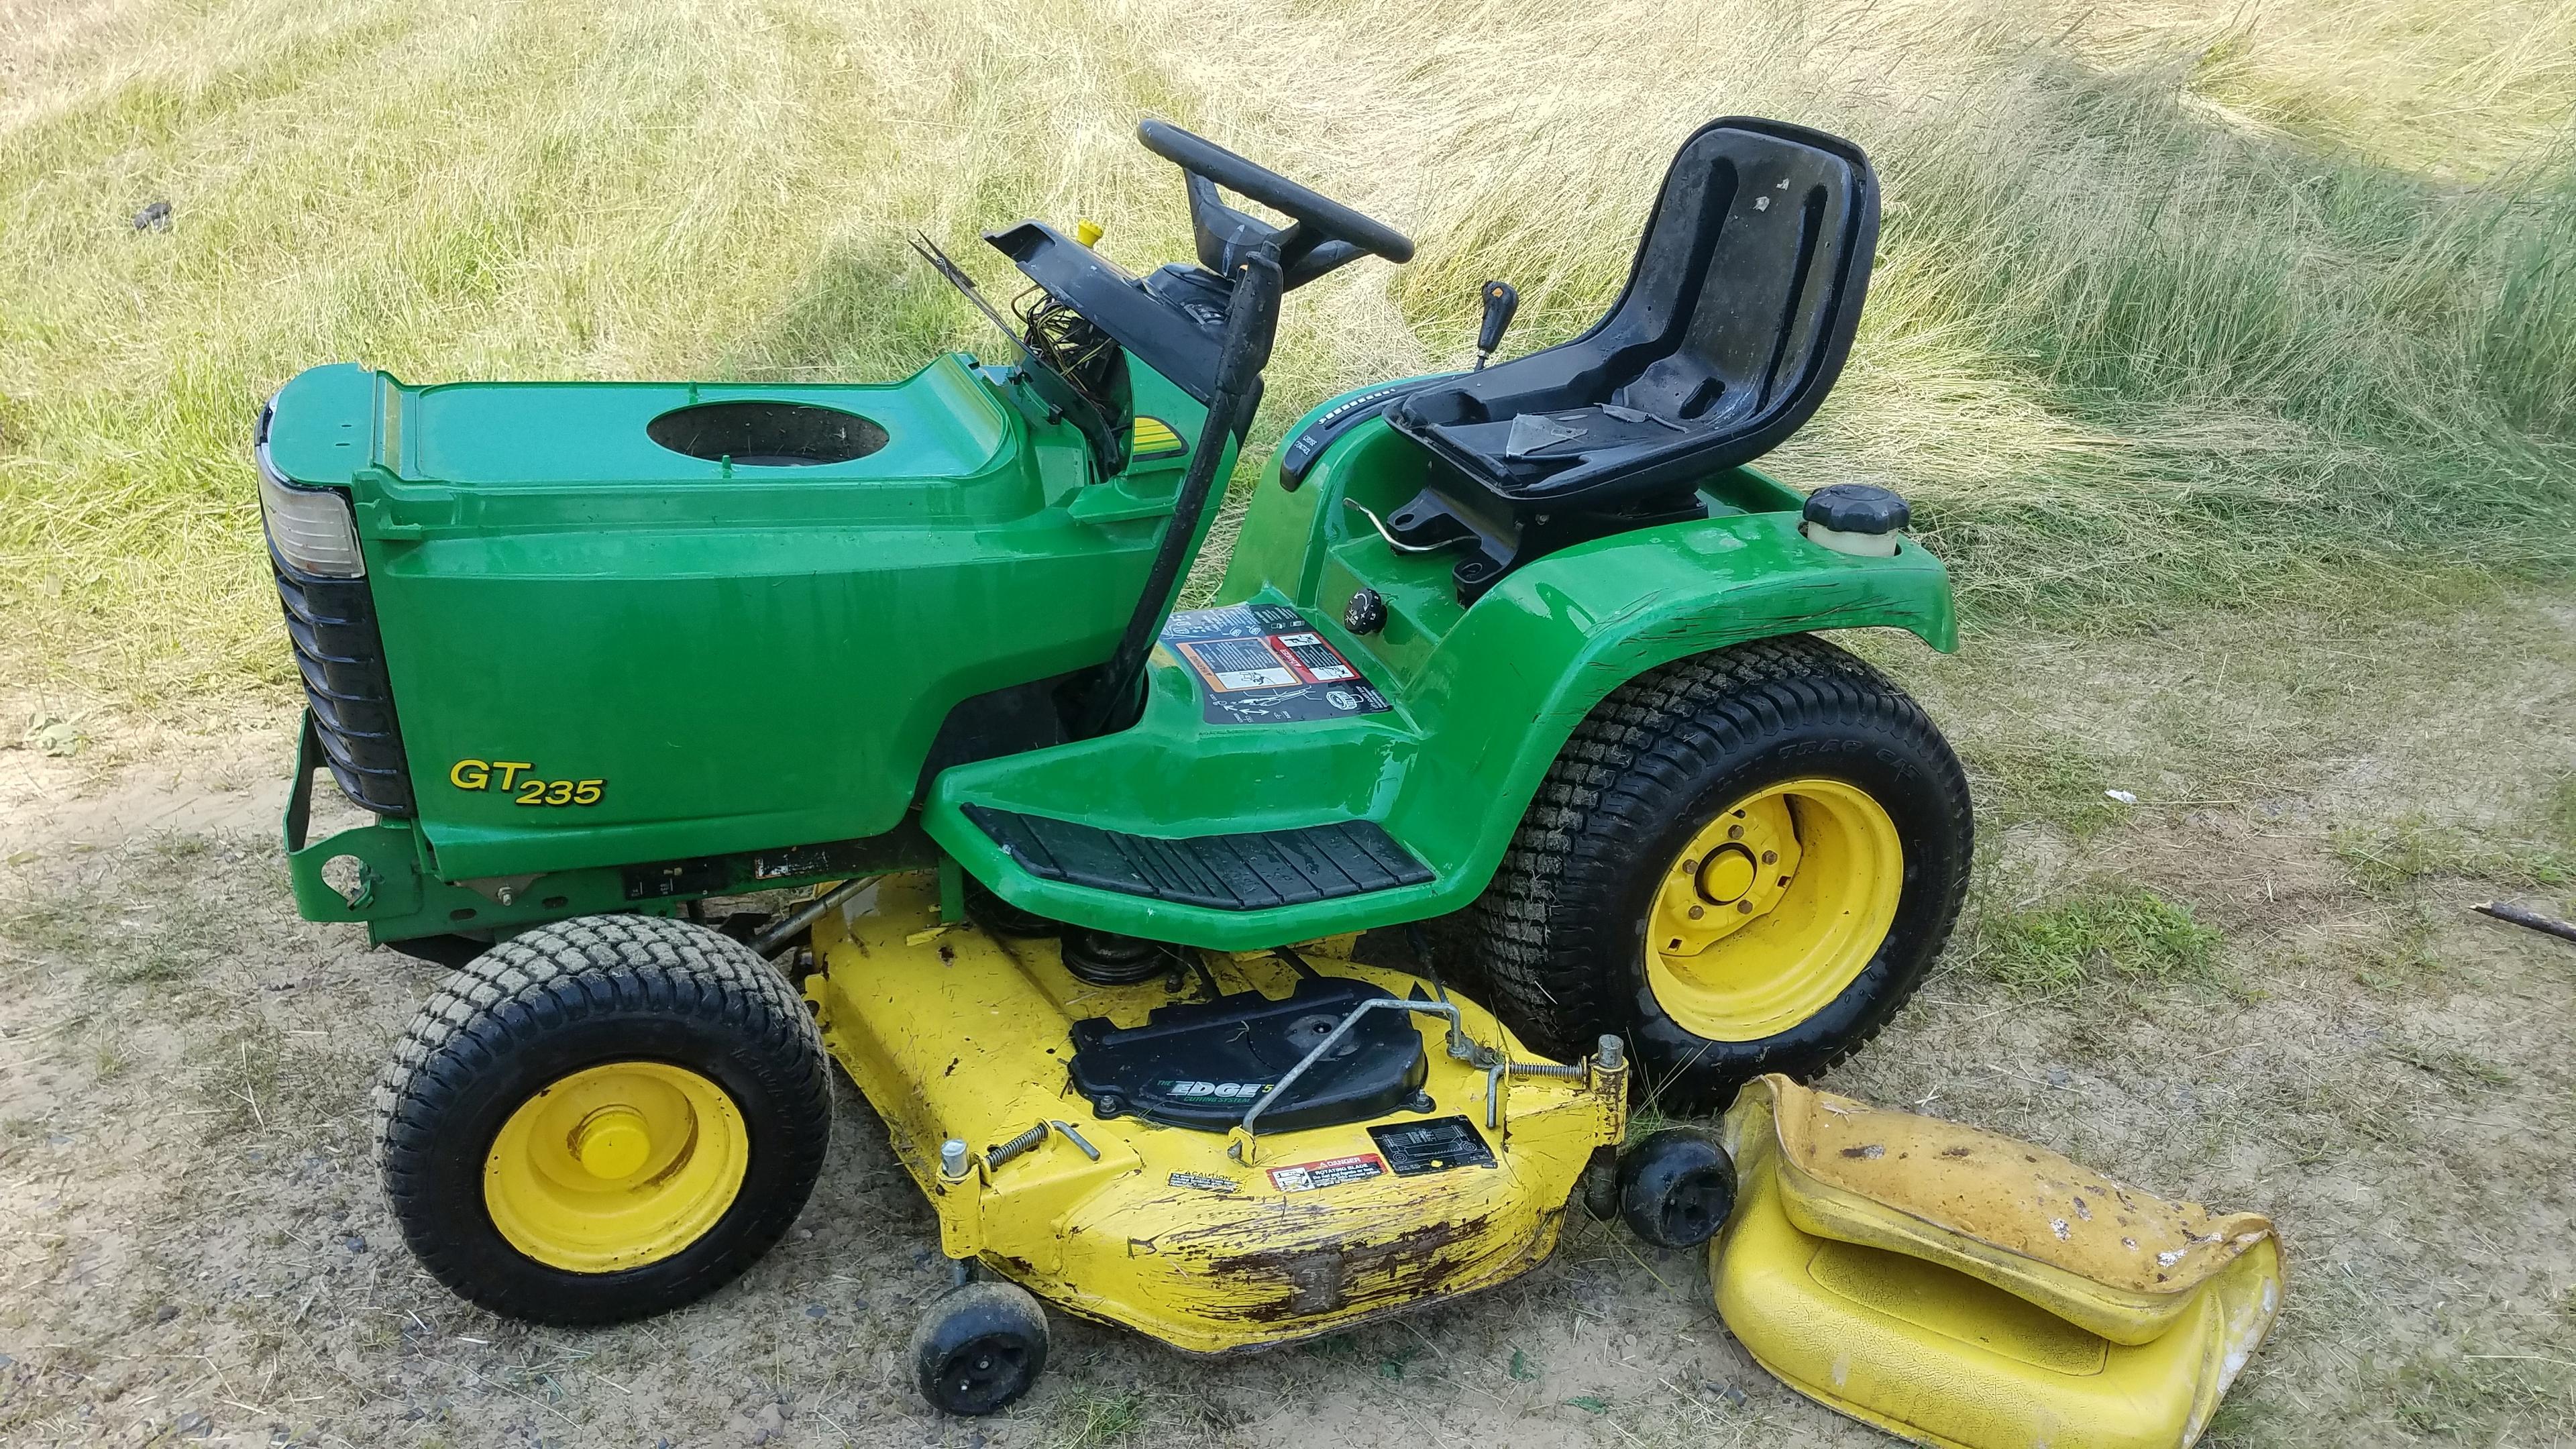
(603, 1119)
(1743, 861)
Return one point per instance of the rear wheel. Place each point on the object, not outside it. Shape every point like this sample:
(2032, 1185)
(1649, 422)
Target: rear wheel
(1744, 862)
(603, 1119)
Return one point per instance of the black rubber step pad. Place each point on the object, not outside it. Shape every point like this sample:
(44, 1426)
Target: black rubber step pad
(1249, 872)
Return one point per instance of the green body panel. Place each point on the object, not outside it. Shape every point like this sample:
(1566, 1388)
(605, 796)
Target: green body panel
(1485, 696)
(740, 658)
(395, 890)
(754, 661)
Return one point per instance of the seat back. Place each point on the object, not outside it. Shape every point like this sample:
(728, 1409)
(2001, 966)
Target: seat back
(1735, 321)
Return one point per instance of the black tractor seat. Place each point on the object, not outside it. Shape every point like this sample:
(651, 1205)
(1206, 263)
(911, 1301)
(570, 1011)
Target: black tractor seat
(1735, 321)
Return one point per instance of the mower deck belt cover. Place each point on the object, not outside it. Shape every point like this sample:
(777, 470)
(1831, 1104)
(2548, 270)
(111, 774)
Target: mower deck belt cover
(1966, 1290)
(1199, 1064)
(1211, 1242)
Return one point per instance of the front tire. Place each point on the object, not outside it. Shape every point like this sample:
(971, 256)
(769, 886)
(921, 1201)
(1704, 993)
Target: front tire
(603, 1119)
(1744, 861)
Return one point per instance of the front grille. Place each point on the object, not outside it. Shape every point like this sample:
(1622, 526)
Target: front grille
(332, 624)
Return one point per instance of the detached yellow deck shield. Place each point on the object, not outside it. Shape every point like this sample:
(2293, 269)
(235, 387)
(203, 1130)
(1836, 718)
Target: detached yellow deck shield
(1208, 1243)
(1966, 1290)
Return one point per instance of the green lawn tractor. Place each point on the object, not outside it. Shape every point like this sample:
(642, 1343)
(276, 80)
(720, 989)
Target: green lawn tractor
(1518, 661)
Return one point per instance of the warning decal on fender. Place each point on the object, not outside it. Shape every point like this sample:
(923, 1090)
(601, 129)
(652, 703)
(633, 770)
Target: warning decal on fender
(1331, 1172)
(1263, 664)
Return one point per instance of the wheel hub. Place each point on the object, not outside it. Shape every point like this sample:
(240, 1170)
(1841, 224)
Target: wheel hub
(1735, 869)
(1727, 875)
(616, 1166)
(613, 1142)
(1773, 908)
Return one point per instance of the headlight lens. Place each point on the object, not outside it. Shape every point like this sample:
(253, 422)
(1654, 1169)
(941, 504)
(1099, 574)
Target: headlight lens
(311, 528)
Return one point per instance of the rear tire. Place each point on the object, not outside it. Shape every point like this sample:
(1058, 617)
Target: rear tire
(603, 1119)
(1678, 804)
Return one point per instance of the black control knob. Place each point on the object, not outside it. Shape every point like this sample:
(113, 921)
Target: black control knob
(1365, 614)
(1501, 301)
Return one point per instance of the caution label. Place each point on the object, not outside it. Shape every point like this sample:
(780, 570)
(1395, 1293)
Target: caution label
(1202, 1181)
(1331, 1172)
(1263, 664)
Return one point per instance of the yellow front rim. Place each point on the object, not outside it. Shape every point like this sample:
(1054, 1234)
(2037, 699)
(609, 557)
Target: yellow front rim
(616, 1166)
(1773, 909)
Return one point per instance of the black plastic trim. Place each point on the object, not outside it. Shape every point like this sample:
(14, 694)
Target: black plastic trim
(1200, 1065)
(1300, 451)
(331, 625)
(1254, 871)
(1179, 344)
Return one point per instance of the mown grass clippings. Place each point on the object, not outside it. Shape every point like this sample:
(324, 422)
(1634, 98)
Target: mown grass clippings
(2092, 936)
(2487, 1396)
(2456, 1065)
(2400, 958)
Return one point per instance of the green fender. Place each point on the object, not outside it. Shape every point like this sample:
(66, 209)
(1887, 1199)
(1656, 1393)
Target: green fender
(1496, 701)
(1493, 691)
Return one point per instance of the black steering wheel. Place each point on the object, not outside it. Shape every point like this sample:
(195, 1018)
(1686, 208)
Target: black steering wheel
(1323, 233)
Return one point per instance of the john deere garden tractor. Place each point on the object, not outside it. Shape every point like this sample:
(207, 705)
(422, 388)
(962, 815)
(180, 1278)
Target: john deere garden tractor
(1516, 667)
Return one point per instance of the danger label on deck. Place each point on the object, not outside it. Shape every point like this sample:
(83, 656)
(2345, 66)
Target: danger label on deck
(1331, 1172)
(1263, 664)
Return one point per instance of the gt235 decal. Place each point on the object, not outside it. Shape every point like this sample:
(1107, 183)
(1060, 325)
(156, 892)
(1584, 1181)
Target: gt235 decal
(510, 778)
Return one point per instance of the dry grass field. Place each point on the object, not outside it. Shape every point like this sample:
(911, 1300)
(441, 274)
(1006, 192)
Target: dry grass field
(2228, 351)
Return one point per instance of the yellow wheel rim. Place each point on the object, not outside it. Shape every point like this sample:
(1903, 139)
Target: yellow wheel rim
(616, 1166)
(1773, 909)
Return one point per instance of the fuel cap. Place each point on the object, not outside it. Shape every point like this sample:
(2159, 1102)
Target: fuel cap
(1858, 508)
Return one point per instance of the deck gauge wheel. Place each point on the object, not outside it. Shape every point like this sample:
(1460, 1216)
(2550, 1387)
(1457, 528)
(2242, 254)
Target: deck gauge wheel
(1676, 1187)
(980, 1348)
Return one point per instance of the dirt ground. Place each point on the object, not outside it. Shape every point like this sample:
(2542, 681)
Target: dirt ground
(2258, 985)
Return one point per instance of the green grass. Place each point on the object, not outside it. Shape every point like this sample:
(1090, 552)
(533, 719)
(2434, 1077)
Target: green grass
(2177, 304)
(1085, 1417)
(2394, 859)
(2105, 933)
(2558, 815)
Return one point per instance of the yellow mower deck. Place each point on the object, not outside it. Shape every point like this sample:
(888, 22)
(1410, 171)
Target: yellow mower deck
(1208, 1243)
